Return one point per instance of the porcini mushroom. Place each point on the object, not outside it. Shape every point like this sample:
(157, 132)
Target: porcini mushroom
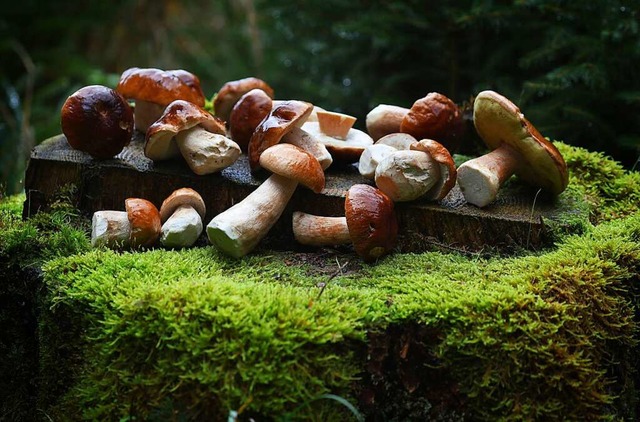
(336, 125)
(154, 89)
(199, 137)
(231, 92)
(97, 120)
(347, 150)
(181, 214)
(246, 115)
(447, 179)
(137, 226)
(517, 147)
(373, 154)
(384, 119)
(405, 175)
(370, 224)
(240, 228)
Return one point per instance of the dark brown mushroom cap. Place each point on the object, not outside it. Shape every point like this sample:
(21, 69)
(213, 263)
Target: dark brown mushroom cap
(144, 219)
(448, 172)
(498, 120)
(160, 86)
(281, 120)
(246, 115)
(435, 117)
(178, 116)
(97, 120)
(179, 197)
(294, 163)
(231, 92)
(372, 221)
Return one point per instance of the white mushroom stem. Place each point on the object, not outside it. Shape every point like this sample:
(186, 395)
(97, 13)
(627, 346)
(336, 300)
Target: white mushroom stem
(371, 157)
(145, 114)
(240, 228)
(315, 230)
(206, 152)
(307, 142)
(480, 179)
(111, 229)
(182, 229)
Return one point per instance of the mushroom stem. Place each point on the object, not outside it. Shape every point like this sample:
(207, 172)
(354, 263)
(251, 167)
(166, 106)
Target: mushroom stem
(182, 229)
(315, 230)
(206, 152)
(307, 142)
(480, 179)
(240, 228)
(145, 114)
(111, 229)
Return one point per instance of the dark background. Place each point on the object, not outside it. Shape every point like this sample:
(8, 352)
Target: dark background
(573, 67)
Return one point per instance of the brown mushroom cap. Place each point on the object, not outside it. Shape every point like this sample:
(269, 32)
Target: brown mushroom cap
(231, 92)
(160, 86)
(346, 150)
(178, 116)
(246, 115)
(97, 120)
(144, 219)
(448, 172)
(372, 221)
(294, 163)
(281, 120)
(179, 197)
(498, 120)
(435, 117)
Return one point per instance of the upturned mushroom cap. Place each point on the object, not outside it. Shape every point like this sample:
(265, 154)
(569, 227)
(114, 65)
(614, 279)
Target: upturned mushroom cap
(384, 119)
(160, 86)
(178, 116)
(231, 92)
(97, 120)
(498, 120)
(284, 116)
(448, 173)
(144, 219)
(294, 163)
(435, 117)
(372, 221)
(346, 150)
(179, 197)
(246, 115)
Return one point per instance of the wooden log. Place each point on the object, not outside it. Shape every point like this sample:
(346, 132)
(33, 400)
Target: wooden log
(511, 222)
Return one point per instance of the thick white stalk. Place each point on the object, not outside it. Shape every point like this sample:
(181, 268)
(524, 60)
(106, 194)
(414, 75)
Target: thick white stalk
(182, 229)
(111, 229)
(206, 152)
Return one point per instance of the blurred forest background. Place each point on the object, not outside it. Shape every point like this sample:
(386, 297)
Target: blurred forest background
(573, 67)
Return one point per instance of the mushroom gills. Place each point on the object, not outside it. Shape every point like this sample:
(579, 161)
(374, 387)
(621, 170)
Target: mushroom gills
(206, 152)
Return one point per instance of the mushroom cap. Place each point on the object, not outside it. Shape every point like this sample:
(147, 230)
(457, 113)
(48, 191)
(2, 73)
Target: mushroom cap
(97, 120)
(294, 163)
(384, 119)
(178, 116)
(405, 175)
(246, 115)
(160, 86)
(397, 140)
(145, 222)
(372, 221)
(346, 150)
(284, 116)
(231, 92)
(448, 172)
(498, 120)
(437, 117)
(179, 197)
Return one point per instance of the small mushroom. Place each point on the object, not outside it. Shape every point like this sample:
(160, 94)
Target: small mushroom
(405, 175)
(441, 155)
(373, 154)
(240, 228)
(181, 214)
(370, 224)
(231, 92)
(137, 226)
(199, 137)
(97, 120)
(517, 147)
(154, 89)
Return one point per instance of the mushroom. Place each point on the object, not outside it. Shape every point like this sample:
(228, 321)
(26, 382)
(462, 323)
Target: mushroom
(246, 115)
(137, 226)
(97, 120)
(405, 175)
(231, 92)
(370, 224)
(373, 154)
(441, 155)
(240, 228)
(181, 214)
(517, 147)
(199, 137)
(347, 150)
(154, 89)
(384, 119)
(307, 142)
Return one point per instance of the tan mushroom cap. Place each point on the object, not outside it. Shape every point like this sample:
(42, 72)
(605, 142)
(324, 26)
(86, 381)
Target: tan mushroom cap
(160, 86)
(294, 163)
(384, 119)
(179, 197)
(335, 124)
(448, 173)
(246, 115)
(178, 116)
(284, 116)
(144, 219)
(498, 121)
(231, 92)
(346, 150)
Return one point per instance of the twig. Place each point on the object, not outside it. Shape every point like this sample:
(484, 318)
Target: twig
(533, 206)
(323, 284)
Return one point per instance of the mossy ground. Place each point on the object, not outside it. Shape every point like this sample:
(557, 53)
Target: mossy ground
(191, 333)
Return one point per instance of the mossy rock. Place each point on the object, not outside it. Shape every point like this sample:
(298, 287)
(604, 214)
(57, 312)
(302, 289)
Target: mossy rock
(191, 334)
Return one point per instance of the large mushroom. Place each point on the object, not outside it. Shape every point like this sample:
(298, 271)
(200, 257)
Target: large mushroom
(137, 226)
(240, 228)
(406, 175)
(181, 214)
(370, 224)
(517, 147)
(190, 130)
(232, 91)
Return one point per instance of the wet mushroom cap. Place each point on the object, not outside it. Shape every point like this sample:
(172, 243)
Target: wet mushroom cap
(160, 86)
(97, 120)
(231, 92)
(294, 163)
(498, 121)
(246, 115)
(179, 197)
(144, 219)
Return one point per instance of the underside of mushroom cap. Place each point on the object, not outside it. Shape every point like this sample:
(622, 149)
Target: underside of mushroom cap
(160, 86)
